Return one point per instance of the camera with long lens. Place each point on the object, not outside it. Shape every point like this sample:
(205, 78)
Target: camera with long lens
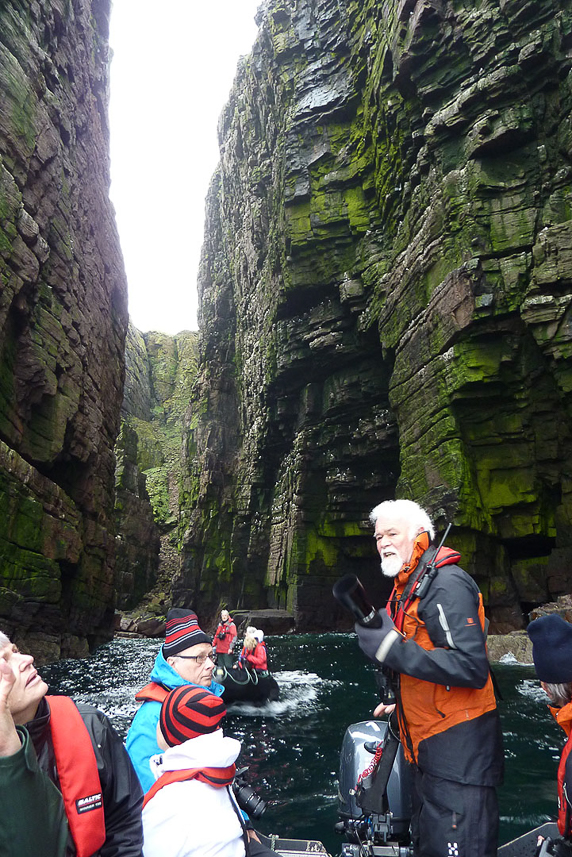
(349, 592)
(246, 797)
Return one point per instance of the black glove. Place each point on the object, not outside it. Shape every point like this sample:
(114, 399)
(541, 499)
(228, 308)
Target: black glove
(370, 639)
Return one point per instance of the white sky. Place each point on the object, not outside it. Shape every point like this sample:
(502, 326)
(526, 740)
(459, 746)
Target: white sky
(173, 67)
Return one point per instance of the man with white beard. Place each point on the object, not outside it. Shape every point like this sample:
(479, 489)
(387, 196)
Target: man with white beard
(431, 644)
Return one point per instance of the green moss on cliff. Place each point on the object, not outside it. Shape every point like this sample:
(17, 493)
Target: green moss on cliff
(386, 293)
(171, 368)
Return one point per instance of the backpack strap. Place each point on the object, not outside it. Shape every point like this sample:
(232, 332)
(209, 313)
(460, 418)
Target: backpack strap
(78, 775)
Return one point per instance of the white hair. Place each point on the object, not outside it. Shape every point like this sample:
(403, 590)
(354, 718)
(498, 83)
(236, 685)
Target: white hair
(560, 694)
(4, 641)
(407, 509)
(250, 630)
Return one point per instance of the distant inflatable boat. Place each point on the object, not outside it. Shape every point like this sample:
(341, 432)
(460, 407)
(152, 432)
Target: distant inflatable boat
(243, 685)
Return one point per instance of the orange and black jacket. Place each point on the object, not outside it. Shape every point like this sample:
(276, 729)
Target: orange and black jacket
(563, 717)
(446, 703)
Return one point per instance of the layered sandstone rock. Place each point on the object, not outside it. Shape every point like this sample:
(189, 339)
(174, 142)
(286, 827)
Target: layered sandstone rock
(137, 540)
(160, 371)
(63, 316)
(385, 299)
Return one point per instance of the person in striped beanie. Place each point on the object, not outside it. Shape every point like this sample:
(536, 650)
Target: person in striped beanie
(189, 712)
(184, 660)
(190, 811)
(182, 632)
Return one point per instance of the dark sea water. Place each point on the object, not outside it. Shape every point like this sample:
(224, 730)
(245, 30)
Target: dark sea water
(291, 746)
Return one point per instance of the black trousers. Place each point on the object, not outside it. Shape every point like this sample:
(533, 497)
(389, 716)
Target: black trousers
(453, 819)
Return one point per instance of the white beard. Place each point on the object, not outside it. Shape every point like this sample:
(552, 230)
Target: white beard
(391, 565)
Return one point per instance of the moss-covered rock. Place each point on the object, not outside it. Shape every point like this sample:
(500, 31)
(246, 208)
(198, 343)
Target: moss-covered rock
(160, 372)
(385, 297)
(137, 541)
(63, 317)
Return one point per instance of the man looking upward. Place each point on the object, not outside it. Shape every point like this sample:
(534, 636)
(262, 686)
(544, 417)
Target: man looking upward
(67, 786)
(432, 646)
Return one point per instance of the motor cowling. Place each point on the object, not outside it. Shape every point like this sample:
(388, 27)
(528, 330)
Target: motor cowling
(357, 753)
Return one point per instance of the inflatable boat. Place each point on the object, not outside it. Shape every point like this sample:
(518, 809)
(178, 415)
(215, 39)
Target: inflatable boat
(382, 830)
(374, 817)
(383, 827)
(244, 685)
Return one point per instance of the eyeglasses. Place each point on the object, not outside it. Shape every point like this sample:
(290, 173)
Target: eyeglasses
(200, 659)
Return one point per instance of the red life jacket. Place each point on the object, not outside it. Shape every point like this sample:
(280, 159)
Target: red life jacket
(564, 826)
(256, 657)
(78, 776)
(152, 692)
(217, 777)
(403, 595)
(562, 717)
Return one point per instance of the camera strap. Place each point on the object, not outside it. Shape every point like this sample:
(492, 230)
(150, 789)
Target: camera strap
(240, 816)
(418, 584)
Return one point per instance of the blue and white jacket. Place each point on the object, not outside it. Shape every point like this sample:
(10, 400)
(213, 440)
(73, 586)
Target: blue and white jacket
(141, 741)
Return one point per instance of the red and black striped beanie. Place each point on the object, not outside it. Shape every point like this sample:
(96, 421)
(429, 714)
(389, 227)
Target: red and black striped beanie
(182, 631)
(188, 712)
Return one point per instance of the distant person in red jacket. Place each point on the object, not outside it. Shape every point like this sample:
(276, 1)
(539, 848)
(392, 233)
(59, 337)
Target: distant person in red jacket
(224, 640)
(253, 653)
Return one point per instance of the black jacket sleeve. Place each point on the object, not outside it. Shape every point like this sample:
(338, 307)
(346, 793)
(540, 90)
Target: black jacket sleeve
(122, 794)
(450, 613)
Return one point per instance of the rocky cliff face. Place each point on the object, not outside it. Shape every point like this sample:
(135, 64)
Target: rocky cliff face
(137, 540)
(63, 317)
(386, 287)
(160, 371)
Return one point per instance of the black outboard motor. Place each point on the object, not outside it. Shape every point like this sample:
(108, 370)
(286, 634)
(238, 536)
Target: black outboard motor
(384, 831)
(374, 799)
